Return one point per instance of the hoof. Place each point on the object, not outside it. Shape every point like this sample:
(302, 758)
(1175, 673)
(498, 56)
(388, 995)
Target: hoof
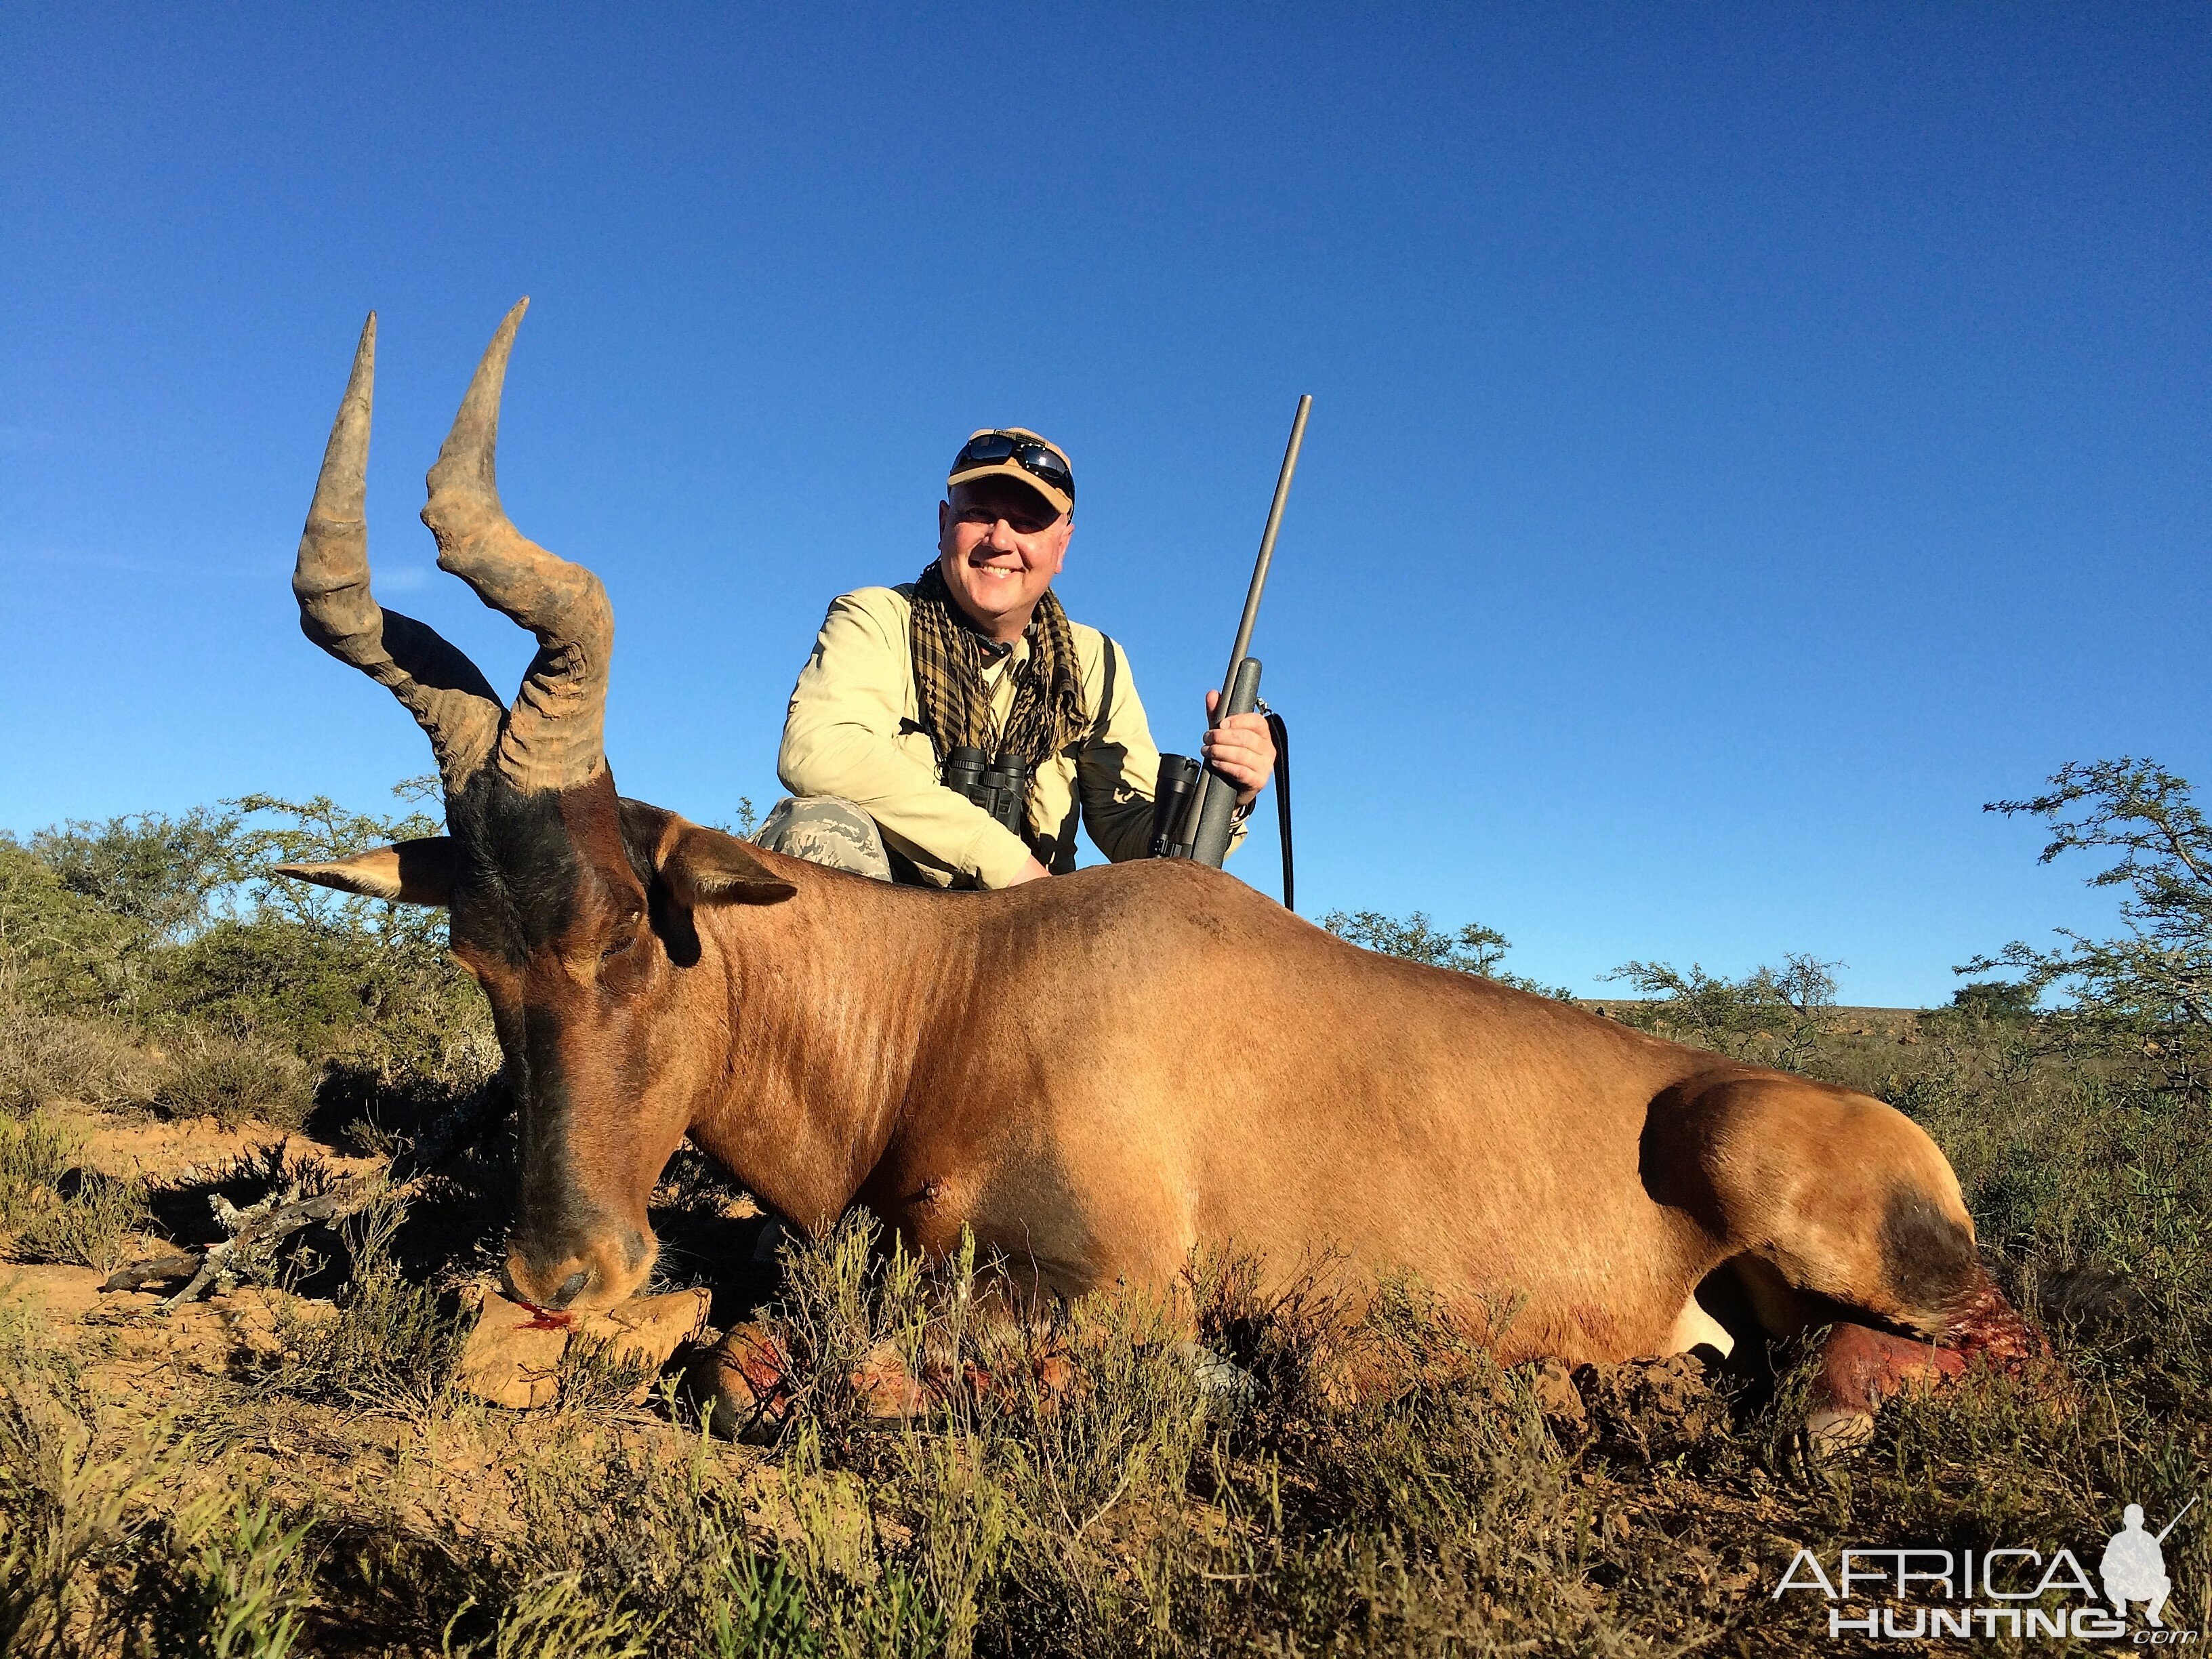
(1831, 1432)
(742, 1386)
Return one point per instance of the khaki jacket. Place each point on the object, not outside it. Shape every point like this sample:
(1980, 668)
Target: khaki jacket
(852, 730)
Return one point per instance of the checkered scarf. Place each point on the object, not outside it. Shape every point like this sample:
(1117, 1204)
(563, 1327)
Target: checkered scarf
(949, 655)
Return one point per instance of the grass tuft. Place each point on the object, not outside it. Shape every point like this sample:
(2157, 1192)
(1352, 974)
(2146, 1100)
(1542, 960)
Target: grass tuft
(56, 1209)
(391, 1345)
(233, 1082)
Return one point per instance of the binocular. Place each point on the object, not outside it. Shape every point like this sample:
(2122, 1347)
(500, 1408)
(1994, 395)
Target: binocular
(1001, 787)
(1180, 778)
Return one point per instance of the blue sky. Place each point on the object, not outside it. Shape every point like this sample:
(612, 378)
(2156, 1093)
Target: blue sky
(1746, 439)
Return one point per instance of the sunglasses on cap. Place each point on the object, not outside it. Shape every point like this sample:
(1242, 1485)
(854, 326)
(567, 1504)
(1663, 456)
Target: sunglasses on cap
(1032, 457)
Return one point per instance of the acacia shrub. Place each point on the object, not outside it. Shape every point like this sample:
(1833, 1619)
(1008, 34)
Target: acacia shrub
(2150, 986)
(59, 950)
(1772, 1016)
(1471, 949)
(170, 935)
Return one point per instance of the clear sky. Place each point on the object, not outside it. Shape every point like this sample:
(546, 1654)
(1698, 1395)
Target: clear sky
(1746, 439)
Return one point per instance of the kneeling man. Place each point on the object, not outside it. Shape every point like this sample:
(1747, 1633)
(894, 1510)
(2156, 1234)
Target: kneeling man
(977, 653)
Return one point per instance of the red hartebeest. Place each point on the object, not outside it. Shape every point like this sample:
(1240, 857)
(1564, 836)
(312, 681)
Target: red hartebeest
(1094, 1073)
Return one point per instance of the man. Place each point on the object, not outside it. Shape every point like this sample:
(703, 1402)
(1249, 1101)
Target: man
(977, 652)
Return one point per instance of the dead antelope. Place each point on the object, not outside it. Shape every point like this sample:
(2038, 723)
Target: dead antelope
(1047, 1065)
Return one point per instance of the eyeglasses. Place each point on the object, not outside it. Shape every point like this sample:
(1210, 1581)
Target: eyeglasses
(1033, 458)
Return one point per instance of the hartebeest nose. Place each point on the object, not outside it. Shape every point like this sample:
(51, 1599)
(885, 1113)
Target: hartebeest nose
(594, 1274)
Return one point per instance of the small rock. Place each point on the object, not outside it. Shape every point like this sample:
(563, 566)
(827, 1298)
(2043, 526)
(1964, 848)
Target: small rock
(513, 1356)
(647, 1329)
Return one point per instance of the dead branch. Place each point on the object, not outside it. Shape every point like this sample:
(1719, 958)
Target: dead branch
(261, 1226)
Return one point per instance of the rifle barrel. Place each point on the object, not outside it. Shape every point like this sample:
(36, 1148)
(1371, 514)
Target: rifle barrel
(1252, 594)
(1243, 646)
(2176, 1521)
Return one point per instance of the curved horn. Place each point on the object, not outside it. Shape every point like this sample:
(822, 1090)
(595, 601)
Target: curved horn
(554, 734)
(439, 686)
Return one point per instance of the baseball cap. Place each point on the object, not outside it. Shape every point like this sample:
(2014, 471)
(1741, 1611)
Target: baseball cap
(1026, 457)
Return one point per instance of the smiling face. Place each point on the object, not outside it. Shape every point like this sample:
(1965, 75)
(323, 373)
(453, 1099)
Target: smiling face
(999, 545)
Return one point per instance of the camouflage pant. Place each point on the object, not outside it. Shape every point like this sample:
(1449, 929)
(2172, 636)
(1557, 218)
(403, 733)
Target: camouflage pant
(826, 830)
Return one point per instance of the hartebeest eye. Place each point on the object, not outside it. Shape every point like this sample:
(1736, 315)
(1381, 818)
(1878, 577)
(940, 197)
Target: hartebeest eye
(621, 964)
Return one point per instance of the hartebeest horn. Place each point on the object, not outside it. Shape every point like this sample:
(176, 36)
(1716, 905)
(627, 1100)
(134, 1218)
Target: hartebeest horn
(439, 686)
(554, 736)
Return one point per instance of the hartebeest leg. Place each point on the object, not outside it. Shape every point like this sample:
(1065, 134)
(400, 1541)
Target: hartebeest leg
(747, 1380)
(1831, 1201)
(1860, 1369)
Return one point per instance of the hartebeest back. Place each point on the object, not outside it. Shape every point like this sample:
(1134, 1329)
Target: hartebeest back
(1094, 1073)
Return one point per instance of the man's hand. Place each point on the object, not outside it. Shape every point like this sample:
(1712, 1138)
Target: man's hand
(1031, 871)
(1241, 748)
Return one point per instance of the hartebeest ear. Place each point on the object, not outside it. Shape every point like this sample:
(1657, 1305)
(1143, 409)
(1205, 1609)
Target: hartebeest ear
(407, 872)
(708, 866)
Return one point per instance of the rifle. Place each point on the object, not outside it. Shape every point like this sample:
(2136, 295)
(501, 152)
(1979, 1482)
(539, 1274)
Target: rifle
(2176, 1521)
(1192, 816)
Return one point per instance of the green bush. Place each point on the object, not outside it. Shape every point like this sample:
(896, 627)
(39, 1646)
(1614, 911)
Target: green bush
(1995, 999)
(323, 989)
(1773, 1016)
(157, 873)
(1473, 949)
(59, 949)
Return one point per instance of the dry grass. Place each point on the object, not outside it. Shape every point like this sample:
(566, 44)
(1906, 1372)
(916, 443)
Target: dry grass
(55, 1209)
(234, 1081)
(53, 1057)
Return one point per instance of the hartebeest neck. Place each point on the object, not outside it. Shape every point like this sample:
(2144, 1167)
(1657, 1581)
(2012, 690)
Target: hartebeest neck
(829, 1004)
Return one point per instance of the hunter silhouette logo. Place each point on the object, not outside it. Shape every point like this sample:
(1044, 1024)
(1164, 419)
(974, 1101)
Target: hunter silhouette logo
(2134, 1566)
